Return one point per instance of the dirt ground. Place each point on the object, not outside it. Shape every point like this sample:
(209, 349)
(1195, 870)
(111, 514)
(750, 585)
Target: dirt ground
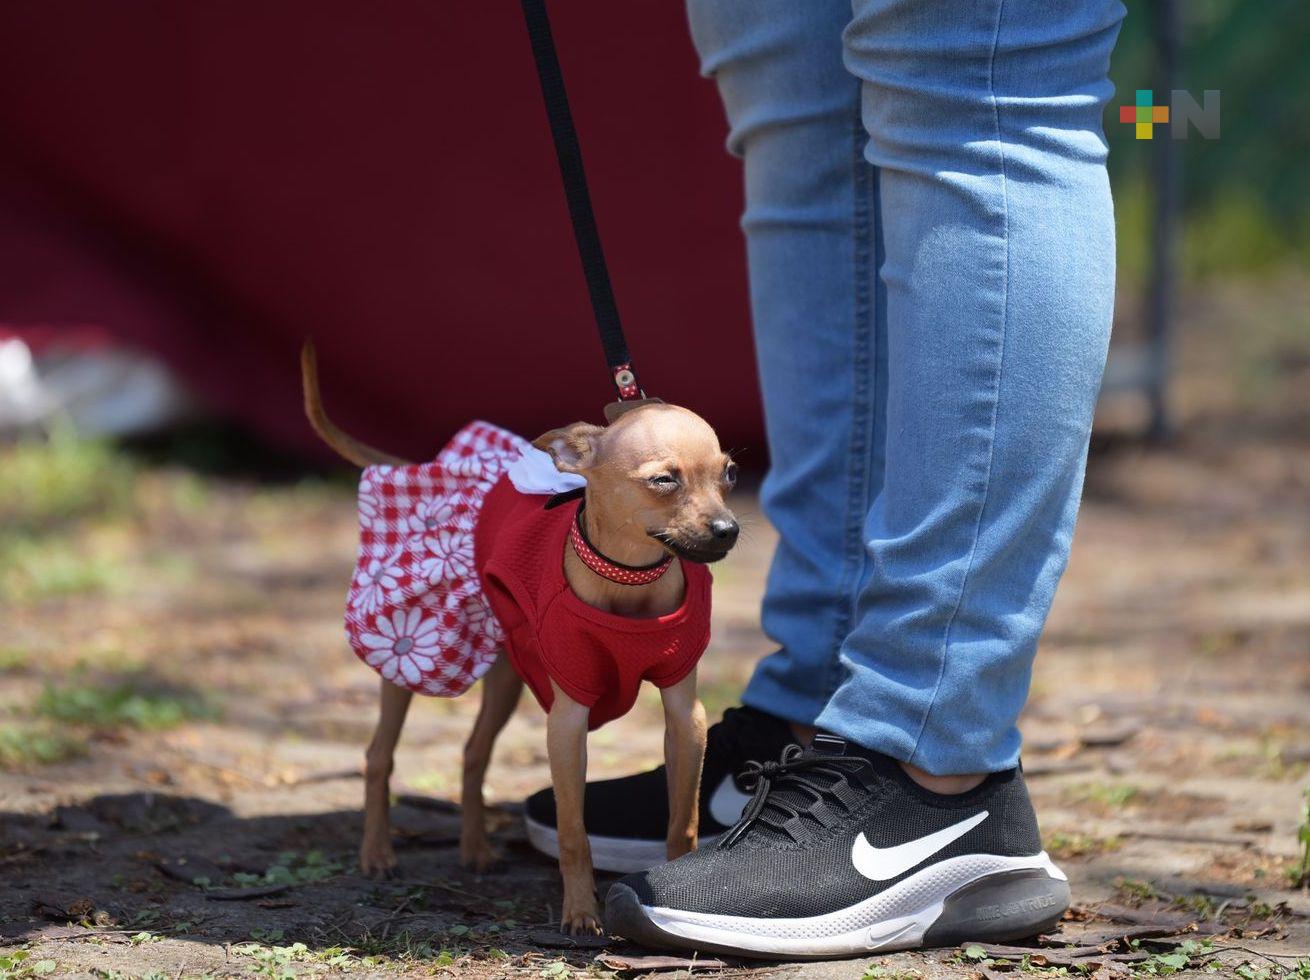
(182, 725)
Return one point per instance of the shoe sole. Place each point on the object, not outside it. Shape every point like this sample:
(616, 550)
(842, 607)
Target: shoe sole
(975, 897)
(621, 854)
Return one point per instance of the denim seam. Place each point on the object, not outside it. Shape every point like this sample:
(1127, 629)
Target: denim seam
(857, 490)
(996, 398)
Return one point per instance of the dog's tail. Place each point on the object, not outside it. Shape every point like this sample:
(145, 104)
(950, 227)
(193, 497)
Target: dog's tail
(348, 446)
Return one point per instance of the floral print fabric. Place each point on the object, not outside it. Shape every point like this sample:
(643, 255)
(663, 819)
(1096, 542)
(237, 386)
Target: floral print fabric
(415, 612)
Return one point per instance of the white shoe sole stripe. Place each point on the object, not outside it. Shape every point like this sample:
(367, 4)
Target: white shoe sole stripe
(619, 854)
(896, 918)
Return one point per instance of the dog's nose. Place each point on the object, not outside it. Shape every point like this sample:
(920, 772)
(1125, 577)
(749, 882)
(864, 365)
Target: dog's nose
(724, 530)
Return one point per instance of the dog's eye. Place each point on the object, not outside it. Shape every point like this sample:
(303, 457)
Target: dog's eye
(663, 482)
(730, 474)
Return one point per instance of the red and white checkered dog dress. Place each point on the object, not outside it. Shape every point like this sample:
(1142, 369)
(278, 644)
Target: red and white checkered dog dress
(463, 555)
(415, 611)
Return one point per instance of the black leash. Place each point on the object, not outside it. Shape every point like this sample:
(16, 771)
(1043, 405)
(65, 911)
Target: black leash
(569, 152)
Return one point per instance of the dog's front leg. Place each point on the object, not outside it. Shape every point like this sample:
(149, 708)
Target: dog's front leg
(376, 856)
(684, 753)
(566, 744)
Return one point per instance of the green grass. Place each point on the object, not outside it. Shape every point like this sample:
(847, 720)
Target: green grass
(267, 958)
(293, 868)
(14, 659)
(1134, 890)
(1162, 958)
(132, 700)
(1300, 970)
(1074, 844)
(1197, 903)
(1299, 874)
(1112, 796)
(53, 566)
(273, 961)
(19, 965)
(1188, 953)
(51, 493)
(1028, 965)
(23, 746)
(44, 485)
(876, 972)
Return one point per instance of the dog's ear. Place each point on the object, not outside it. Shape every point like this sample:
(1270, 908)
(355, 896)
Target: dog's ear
(573, 447)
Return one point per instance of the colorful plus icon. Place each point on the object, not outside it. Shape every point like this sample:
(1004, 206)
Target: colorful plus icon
(1144, 115)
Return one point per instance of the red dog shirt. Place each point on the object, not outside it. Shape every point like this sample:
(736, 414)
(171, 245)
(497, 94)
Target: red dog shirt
(597, 658)
(456, 560)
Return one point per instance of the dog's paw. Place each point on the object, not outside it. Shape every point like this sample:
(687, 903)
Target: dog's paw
(581, 918)
(479, 857)
(378, 860)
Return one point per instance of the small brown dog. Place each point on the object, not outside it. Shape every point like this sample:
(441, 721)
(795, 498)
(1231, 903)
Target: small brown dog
(655, 481)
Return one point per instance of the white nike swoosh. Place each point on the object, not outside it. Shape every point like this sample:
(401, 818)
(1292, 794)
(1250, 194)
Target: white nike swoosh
(885, 863)
(727, 802)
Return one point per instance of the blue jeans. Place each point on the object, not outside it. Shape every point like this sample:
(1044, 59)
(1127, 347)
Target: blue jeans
(931, 247)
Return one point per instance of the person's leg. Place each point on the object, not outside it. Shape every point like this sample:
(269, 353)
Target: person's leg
(984, 123)
(793, 112)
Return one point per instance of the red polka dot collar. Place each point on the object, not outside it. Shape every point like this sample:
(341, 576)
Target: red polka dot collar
(612, 570)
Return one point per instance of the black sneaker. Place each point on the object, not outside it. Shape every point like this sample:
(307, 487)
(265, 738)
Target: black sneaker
(627, 819)
(840, 853)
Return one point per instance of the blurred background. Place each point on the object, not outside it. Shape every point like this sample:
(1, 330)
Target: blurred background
(187, 193)
(189, 190)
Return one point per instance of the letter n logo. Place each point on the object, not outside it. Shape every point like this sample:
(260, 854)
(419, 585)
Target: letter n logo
(1184, 112)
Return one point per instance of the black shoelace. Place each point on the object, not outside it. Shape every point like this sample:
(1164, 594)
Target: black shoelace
(744, 734)
(807, 777)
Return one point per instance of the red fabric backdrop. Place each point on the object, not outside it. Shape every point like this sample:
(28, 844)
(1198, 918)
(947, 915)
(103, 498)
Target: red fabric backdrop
(215, 181)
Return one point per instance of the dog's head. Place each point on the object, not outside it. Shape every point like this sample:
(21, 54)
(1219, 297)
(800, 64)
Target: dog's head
(657, 471)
